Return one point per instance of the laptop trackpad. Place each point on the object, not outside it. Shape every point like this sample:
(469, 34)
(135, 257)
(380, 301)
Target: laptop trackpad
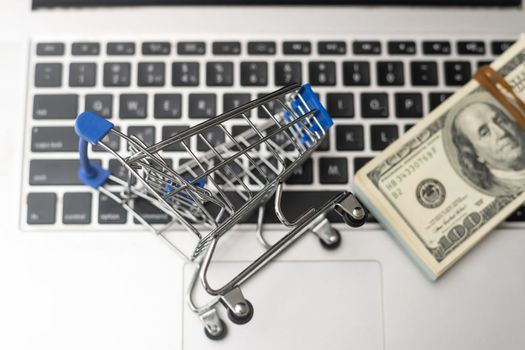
(301, 305)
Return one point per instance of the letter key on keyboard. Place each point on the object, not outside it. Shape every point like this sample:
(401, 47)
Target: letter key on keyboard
(77, 208)
(333, 170)
(41, 208)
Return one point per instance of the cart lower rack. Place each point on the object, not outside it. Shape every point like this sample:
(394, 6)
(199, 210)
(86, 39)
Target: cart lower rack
(228, 178)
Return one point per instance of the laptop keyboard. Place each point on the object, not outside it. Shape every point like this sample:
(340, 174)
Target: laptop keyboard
(375, 89)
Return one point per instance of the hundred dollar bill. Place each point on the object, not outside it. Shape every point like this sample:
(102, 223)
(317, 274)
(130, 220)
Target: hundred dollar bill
(446, 183)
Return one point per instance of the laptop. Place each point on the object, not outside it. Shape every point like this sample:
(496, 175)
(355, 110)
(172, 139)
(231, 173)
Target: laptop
(79, 272)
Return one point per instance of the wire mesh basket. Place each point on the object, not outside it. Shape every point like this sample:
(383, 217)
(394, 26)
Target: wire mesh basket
(226, 177)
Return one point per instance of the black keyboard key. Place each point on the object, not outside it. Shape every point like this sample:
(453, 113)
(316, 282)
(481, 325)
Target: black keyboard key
(82, 74)
(302, 175)
(45, 172)
(382, 136)
(85, 49)
(168, 106)
(297, 47)
(229, 173)
(266, 173)
(238, 130)
(333, 170)
(55, 106)
(374, 105)
(402, 47)
(203, 105)
(325, 144)
(219, 73)
(169, 131)
(41, 208)
(282, 139)
(331, 48)
(349, 137)
(498, 47)
(390, 73)
(254, 73)
(100, 104)
(146, 134)
(261, 48)
(271, 106)
(191, 48)
(409, 105)
(150, 213)
(517, 216)
(359, 162)
(471, 47)
(424, 73)
(340, 105)
(356, 73)
(232, 101)
(295, 204)
(133, 106)
(483, 63)
(48, 74)
(408, 127)
(185, 74)
(457, 73)
(214, 135)
(117, 74)
(120, 171)
(156, 48)
(370, 219)
(288, 73)
(436, 98)
(366, 47)
(50, 49)
(110, 212)
(436, 48)
(226, 48)
(151, 74)
(54, 139)
(322, 73)
(77, 208)
(120, 48)
(111, 140)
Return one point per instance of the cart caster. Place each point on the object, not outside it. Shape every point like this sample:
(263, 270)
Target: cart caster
(333, 241)
(352, 222)
(242, 314)
(219, 333)
(353, 212)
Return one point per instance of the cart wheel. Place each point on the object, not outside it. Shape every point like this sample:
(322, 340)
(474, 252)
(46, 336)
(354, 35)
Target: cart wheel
(350, 221)
(220, 335)
(242, 319)
(335, 240)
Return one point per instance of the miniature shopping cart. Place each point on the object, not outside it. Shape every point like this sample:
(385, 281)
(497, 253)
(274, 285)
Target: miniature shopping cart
(226, 178)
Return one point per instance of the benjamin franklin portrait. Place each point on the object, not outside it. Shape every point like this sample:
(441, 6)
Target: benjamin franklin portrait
(485, 145)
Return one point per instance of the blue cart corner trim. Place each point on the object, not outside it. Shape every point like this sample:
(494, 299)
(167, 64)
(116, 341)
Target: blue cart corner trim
(314, 104)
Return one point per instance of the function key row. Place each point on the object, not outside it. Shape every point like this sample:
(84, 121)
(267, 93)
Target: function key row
(359, 47)
(204, 105)
(255, 73)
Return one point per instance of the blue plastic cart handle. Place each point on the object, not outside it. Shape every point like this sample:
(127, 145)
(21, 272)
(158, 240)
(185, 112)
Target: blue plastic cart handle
(91, 128)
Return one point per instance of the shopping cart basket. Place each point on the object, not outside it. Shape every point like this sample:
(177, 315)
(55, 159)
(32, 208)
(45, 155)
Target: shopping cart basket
(222, 183)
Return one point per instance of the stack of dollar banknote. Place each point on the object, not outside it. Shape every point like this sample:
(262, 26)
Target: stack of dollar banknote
(454, 176)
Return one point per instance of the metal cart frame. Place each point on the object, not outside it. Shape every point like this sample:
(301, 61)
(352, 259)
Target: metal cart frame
(218, 188)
